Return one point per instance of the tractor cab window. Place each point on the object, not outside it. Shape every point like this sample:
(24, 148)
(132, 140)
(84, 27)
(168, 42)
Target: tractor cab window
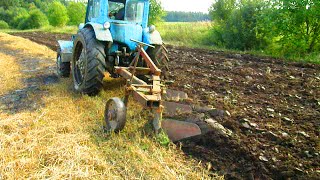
(116, 10)
(134, 11)
(94, 9)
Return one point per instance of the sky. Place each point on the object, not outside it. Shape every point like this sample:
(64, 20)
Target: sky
(187, 5)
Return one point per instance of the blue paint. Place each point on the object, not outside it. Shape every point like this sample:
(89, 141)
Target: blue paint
(122, 33)
(114, 48)
(122, 30)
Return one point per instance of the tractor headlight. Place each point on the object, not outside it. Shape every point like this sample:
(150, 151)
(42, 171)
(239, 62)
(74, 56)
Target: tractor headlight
(106, 25)
(152, 28)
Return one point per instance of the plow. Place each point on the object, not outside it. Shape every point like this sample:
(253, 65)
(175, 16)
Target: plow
(149, 96)
(116, 39)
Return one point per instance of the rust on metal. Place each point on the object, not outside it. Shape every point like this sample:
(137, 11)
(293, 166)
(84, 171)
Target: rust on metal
(177, 130)
(153, 68)
(127, 75)
(149, 95)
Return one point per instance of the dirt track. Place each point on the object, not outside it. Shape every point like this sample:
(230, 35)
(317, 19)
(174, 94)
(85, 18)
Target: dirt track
(272, 107)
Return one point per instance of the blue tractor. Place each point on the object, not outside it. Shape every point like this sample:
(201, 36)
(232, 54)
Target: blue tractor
(115, 38)
(108, 38)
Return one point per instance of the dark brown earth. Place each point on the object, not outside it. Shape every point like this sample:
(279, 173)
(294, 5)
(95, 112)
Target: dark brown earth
(271, 106)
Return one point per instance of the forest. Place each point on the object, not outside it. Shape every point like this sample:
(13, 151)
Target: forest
(286, 28)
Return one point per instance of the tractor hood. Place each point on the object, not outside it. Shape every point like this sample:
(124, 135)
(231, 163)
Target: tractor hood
(123, 32)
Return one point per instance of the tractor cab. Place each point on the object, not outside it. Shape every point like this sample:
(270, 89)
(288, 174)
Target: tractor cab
(109, 38)
(125, 19)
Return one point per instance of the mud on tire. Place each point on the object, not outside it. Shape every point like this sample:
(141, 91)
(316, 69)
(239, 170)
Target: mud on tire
(88, 62)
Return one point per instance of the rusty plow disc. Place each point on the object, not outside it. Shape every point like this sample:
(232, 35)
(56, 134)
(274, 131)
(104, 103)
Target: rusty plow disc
(178, 130)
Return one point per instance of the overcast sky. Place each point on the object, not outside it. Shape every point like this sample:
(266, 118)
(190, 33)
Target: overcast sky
(187, 5)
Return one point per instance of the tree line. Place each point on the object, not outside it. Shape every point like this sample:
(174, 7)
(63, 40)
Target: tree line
(30, 14)
(178, 16)
(288, 28)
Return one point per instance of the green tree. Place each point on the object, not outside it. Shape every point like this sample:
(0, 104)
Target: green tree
(4, 25)
(156, 13)
(20, 15)
(237, 25)
(35, 20)
(10, 3)
(76, 12)
(297, 24)
(57, 14)
(13, 15)
(221, 10)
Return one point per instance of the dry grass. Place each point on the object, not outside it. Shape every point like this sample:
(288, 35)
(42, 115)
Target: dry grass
(9, 74)
(64, 139)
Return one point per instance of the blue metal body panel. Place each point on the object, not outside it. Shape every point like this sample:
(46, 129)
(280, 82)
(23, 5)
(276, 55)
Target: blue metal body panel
(101, 33)
(120, 31)
(65, 50)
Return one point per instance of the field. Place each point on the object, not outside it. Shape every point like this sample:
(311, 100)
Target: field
(48, 131)
(272, 108)
(185, 34)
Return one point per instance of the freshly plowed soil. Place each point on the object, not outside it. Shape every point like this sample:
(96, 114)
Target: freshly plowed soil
(271, 106)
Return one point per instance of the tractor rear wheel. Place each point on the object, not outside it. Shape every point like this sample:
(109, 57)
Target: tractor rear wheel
(88, 62)
(63, 68)
(160, 58)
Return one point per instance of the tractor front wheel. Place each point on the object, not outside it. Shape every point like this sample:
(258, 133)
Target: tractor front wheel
(88, 62)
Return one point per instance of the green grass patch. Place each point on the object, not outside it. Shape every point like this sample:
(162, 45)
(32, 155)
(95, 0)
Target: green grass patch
(194, 34)
(198, 35)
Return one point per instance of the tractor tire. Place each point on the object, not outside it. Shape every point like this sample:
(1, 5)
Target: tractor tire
(88, 63)
(160, 58)
(63, 68)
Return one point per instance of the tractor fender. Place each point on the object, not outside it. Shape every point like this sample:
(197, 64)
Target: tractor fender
(153, 37)
(65, 50)
(101, 33)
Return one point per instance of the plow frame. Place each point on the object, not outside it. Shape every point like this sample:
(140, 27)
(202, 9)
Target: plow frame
(148, 95)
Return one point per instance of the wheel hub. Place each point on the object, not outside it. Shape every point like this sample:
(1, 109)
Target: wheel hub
(115, 115)
(80, 63)
(111, 116)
